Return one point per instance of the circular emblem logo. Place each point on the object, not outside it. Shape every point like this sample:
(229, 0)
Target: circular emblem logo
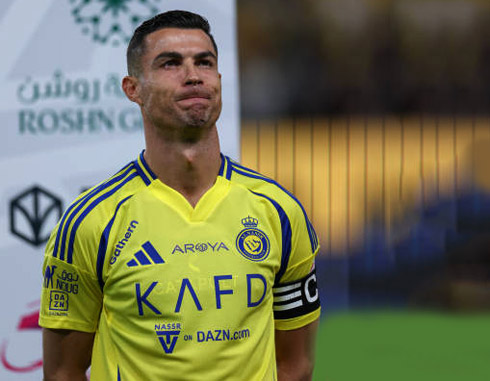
(201, 247)
(253, 244)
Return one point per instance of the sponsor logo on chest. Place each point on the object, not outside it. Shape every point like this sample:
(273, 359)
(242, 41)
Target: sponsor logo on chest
(200, 247)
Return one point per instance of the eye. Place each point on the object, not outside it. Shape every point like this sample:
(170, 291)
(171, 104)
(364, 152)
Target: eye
(170, 63)
(205, 62)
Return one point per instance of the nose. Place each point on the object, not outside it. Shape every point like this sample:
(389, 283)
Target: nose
(192, 75)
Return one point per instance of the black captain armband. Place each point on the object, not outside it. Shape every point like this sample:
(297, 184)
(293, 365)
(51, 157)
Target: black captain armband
(296, 298)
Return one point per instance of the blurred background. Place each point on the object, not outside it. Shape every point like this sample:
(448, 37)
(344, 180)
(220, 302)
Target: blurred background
(375, 114)
(337, 57)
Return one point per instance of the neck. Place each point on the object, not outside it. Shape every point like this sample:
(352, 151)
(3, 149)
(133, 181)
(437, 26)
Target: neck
(188, 166)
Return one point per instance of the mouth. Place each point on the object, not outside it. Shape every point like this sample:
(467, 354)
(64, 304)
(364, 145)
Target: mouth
(194, 95)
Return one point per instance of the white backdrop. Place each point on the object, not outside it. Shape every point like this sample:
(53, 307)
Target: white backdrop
(64, 126)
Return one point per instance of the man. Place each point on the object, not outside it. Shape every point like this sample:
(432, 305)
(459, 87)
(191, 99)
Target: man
(184, 265)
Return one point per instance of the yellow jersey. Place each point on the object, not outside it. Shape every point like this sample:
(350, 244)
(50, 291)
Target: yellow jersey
(174, 292)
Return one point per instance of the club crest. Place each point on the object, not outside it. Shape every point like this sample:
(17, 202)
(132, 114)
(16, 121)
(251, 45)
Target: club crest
(251, 242)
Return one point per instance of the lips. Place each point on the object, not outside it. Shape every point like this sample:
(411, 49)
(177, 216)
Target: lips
(193, 95)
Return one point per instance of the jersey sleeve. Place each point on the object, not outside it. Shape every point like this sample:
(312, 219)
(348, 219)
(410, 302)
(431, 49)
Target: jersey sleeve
(296, 297)
(71, 297)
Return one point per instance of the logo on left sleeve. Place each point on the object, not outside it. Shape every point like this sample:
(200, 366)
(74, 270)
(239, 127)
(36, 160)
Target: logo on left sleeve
(48, 276)
(58, 301)
(65, 281)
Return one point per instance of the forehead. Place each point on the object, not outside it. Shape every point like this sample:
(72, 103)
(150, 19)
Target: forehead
(179, 40)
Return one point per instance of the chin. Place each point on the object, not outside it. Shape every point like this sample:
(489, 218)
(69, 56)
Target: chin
(201, 120)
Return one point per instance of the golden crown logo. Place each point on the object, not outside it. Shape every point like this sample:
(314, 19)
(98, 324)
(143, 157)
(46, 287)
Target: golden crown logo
(250, 222)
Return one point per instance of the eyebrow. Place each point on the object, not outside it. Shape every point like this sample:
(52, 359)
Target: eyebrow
(205, 54)
(179, 56)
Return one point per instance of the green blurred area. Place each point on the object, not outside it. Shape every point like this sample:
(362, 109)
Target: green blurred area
(403, 346)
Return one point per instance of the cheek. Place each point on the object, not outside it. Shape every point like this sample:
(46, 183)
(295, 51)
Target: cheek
(217, 88)
(155, 94)
(218, 91)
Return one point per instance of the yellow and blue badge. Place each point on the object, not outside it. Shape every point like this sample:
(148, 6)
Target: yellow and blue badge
(251, 242)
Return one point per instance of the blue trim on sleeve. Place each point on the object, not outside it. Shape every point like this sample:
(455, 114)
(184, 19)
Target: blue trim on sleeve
(69, 256)
(252, 174)
(237, 165)
(286, 236)
(104, 239)
(77, 206)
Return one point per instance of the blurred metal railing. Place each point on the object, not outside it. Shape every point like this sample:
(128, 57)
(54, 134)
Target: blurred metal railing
(353, 172)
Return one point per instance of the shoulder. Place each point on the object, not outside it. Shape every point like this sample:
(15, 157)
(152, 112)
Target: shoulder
(83, 223)
(284, 201)
(262, 186)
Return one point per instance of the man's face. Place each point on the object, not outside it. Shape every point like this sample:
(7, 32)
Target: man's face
(180, 85)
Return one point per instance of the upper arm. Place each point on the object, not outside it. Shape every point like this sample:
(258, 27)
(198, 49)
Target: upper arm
(296, 296)
(66, 354)
(295, 352)
(296, 300)
(71, 300)
(71, 296)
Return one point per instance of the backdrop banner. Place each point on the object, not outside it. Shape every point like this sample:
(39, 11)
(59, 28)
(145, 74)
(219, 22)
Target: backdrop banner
(65, 126)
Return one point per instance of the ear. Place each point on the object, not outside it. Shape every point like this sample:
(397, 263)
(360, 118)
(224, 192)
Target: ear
(131, 88)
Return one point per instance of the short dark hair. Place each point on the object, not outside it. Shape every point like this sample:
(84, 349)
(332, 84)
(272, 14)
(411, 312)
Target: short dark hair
(170, 19)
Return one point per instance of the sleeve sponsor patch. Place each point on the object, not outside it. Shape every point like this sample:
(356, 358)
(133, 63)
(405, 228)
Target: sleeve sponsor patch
(71, 297)
(296, 298)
